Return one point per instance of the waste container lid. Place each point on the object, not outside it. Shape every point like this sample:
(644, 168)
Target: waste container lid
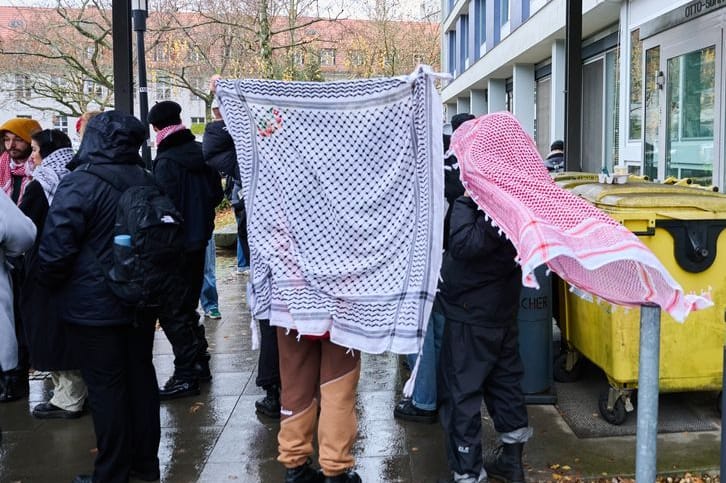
(650, 195)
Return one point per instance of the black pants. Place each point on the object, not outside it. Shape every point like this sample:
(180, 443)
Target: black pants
(478, 362)
(180, 320)
(241, 216)
(268, 367)
(116, 366)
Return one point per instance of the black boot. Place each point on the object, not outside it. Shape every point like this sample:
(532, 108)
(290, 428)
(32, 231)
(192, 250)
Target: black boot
(349, 476)
(270, 404)
(14, 385)
(304, 473)
(508, 465)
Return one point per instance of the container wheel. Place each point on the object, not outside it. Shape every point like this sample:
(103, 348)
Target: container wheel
(564, 370)
(616, 414)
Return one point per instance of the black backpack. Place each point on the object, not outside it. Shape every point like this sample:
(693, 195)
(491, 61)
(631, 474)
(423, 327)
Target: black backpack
(144, 274)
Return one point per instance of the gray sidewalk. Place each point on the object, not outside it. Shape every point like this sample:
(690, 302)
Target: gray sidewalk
(217, 436)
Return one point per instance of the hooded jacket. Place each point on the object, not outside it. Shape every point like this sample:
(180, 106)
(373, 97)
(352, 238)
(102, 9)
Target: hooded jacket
(480, 281)
(194, 187)
(219, 150)
(77, 239)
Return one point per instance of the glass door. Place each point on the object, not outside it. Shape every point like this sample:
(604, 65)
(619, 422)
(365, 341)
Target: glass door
(690, 117)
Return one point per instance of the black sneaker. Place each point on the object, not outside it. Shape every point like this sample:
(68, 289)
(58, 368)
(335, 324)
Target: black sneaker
(349, 476)
(270, 404)
(408, 412)
(48, 410)
(305, 473)
(176, 388)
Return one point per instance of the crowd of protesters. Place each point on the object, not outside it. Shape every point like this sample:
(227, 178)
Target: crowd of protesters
(58, 231)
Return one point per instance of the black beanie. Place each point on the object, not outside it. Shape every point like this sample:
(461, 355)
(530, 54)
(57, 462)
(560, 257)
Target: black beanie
(459, 119)
(164, 113)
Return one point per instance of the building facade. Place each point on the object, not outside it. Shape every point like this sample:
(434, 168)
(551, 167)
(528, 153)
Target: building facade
(652, 78)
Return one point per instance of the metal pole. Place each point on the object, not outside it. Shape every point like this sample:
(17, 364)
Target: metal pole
(140, 28)
(573, 85)
(646, 438)
(123, 97)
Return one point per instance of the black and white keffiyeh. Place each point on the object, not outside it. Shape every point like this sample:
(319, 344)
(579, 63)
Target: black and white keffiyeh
(51, 170)
(343, 188)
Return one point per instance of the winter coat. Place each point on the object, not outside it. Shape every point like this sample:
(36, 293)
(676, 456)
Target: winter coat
(17, 233)
(480, 281)
(44, 332)
(194, 187)
(218, 148)
(76, 246)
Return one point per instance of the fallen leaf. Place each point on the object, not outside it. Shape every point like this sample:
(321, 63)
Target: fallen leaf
(554, 466)
(566, 468)
(555, 476)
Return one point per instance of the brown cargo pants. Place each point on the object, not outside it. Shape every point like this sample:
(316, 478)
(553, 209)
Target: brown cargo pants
(317, 373)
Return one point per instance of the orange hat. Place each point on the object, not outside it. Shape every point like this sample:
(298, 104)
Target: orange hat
(21, 127)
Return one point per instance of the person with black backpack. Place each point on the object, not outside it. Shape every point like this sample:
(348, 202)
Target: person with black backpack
(77, 257)
(196, 190)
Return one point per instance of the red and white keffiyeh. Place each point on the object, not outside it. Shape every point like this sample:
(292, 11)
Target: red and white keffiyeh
(9, 168)
(504, 173)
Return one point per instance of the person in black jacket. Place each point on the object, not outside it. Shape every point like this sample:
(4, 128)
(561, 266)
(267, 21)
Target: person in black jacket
(479, 292)
(114, 347)
(219, 152)
(196, 190)
(45, 332)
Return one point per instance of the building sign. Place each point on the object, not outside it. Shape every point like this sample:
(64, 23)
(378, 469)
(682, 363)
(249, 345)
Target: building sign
(680, 15)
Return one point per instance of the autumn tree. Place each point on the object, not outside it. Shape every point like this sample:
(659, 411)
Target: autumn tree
(392, 41)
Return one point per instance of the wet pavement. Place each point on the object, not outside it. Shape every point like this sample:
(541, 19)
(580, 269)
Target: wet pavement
(218, 437)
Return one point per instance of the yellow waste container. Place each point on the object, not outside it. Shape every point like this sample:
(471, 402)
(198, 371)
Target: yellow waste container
(683, 227)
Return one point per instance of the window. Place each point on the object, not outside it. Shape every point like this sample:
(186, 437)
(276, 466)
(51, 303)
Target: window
(463, 41)
(163, 87)
(652, 113)
(599, 113)
(480, 28)
(16, 23)
(503, 12)
(226, 51)
(161, 52)
(23, 86)
(504, 6)
(327, 57)
(356, 57)
(193, 53)
(91, 88)
(61, 122)
(543, 104)
(90, 51)
(451, 53)
(635, 130)
(298, 58)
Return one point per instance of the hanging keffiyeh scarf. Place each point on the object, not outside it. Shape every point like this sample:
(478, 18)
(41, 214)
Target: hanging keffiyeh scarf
(8, 169)
(343, 189)
(503, 172)
(51, 170)
(163, 133)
